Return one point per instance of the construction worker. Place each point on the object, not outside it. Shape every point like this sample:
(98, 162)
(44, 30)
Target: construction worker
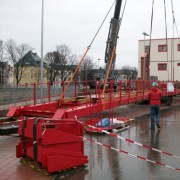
(155, 96)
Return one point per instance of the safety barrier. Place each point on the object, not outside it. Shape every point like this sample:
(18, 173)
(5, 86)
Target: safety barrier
(127, 140)
(132, 155)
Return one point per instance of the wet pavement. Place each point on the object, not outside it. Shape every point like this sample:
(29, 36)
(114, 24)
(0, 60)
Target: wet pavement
(107, 164)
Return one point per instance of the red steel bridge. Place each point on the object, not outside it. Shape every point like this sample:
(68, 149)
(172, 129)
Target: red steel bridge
(85, 101)
(50, 132)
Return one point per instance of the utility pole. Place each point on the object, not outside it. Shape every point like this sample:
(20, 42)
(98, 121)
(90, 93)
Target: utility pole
(42, 30)
(98, 67)
(144, 64)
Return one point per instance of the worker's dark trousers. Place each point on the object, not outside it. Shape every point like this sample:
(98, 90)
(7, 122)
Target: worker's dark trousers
(155, 116)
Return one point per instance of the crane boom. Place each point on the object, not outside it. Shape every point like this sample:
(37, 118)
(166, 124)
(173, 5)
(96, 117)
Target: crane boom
(112, 40)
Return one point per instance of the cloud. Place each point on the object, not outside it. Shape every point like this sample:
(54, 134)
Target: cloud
(75, 22)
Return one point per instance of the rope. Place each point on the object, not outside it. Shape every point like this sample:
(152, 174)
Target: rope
(102, 24)
(108, 71)
(62, 95)
(107, 75)
(110, 64)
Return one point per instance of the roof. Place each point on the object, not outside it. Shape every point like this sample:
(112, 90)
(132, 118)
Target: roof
(30, 59)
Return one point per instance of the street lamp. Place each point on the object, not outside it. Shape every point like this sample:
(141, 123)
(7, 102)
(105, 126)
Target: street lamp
(42, 29)
(98, 67)
(144, 68)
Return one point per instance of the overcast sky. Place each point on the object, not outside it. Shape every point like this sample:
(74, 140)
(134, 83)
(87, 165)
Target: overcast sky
(75, 22)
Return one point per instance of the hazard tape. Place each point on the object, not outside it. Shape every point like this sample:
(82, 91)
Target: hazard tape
(125, 152)
(129, 140)
(116, 136)
(122, 151)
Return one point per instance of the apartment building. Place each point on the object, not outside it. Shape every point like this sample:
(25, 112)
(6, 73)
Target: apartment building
(27, 69)
(161, 61)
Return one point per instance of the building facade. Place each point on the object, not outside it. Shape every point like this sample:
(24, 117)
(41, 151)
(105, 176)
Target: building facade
(27, 69)
(161, 61)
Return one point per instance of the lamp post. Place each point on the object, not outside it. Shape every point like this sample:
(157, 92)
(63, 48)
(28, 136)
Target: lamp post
(98, 67)
(144, 64)
(42, 30)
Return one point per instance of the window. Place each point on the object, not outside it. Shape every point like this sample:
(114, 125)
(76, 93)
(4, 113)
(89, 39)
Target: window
(162, 66)
(178, 64)
(178, 47)
(162, 48)
(147, 49)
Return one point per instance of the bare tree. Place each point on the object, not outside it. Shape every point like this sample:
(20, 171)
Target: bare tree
(14, 53)
(60, 63)
(134, 73)
(1, 63)
(52, 60)
(64, 53)
(130, 72)
(86, 68)
(22, 49)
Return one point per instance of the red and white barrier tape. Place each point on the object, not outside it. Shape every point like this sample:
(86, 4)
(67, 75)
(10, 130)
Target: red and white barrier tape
(125, 152)
(129, 140)
(119, 150)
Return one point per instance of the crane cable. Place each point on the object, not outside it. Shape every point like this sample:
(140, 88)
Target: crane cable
(122, 13)
(166, 37)
(172, 44)
(152, 15)
(82, 59)
(174, 21)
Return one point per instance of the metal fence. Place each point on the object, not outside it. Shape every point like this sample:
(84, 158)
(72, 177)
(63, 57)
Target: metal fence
(29, 92)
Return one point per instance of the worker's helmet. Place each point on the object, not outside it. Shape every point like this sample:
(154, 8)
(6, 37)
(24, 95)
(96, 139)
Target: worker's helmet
(154, 84)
